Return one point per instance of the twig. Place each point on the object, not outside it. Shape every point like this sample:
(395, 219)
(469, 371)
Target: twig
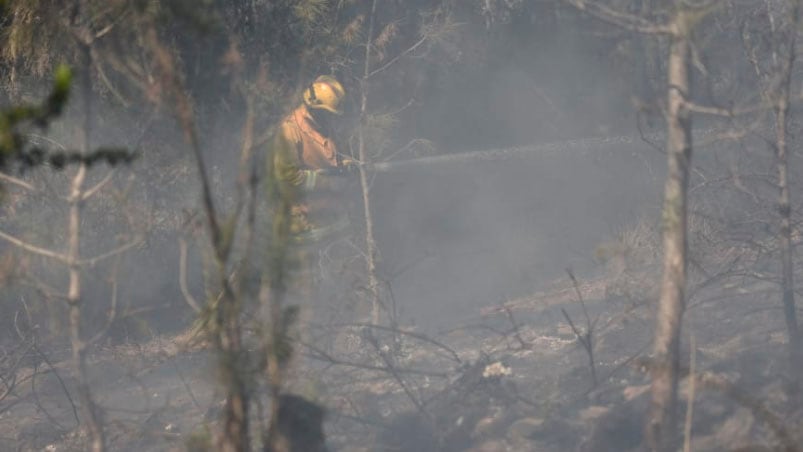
(648, 140)
(97, 187)
(144, 310)
(586, 340)
(358, 419)
(620, 19)
(576, 286)
(110, 86)
(47, 361)
(188, 388)
(390, 63)
(120, 17)
(119, 250)
(36, 136)
(725, 112)
(33, 248)
(419, 336)
(39, 402)
(18, 182)
(61, 383)
(407, 147)
(622, 365)
(516, 328)
(14, 383)
(324, 356)
(112, 316)
(392, 369)
(182, 276)
(9, 387)
(394, 317)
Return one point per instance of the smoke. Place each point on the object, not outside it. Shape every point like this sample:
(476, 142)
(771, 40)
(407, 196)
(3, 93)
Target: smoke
(453, 238)
(475, 233)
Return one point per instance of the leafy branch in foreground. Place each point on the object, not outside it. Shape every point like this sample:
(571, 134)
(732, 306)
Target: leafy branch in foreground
(16, 123)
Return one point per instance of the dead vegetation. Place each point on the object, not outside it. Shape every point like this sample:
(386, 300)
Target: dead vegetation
(566, 368)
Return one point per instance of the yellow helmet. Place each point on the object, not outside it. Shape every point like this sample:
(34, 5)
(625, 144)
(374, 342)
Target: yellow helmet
(325, 93)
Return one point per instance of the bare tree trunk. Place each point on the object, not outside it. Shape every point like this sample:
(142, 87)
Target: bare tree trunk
(228, 333)
(235, 412)
(662, 422)
(271, 297)
(370, 242)
(228, 339)
(89, 411)
(784, 202)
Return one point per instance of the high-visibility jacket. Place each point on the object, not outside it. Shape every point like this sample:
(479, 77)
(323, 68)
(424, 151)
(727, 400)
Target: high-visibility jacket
(306, 167)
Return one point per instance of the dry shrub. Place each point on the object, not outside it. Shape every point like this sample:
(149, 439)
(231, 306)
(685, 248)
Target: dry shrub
(631, 260)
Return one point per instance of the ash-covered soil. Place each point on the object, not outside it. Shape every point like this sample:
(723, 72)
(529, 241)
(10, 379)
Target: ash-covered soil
(513, 378)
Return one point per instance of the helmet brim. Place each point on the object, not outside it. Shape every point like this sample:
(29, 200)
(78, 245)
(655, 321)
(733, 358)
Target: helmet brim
(332, 110)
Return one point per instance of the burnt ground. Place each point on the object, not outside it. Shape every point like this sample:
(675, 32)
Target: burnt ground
(512, 378)
(470, 372)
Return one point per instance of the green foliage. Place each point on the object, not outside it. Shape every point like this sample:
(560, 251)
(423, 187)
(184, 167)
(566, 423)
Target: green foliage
(59, 160)
(14, 120)
(17, 121)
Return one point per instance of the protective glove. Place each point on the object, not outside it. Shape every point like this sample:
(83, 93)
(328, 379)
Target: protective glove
(349, 167)
(354, 166)
(335, 179)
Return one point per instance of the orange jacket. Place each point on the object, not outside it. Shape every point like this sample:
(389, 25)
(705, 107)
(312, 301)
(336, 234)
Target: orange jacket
(305, 165)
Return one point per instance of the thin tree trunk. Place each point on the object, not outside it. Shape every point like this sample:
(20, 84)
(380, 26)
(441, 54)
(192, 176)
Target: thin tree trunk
(90, 414)
(662, 421)
(235, 412)
(271, 297)
(235, 437)
(372, 254)
(784, 202)
(227, 337)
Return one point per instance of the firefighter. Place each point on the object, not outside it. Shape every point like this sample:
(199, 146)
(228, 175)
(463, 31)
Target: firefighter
(310, 175)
